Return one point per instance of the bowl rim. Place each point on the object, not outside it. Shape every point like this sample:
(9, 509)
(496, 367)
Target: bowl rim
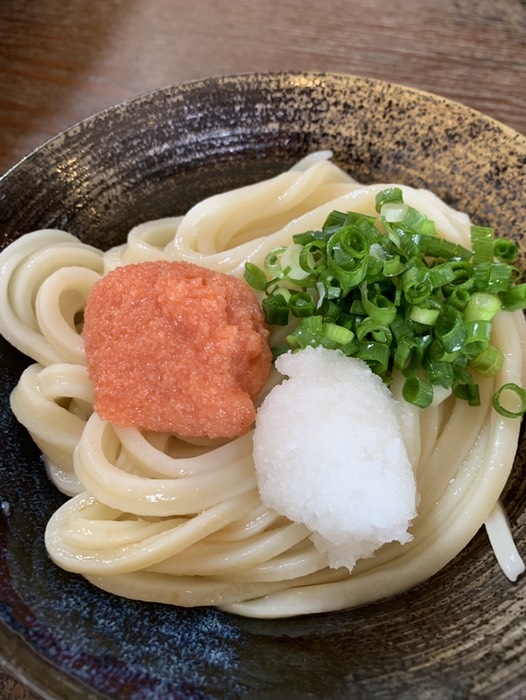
(246, 76)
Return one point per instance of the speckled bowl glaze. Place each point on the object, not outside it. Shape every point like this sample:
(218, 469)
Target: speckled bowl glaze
(460, 635)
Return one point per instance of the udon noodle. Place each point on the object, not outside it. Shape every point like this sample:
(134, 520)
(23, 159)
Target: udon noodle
(152, 517)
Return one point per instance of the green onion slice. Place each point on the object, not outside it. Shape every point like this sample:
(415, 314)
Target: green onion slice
(519, 398)
(418, 391)
(390, 194)
(489, 362)
(276, 310)
(301, 304)
(482, 244)
(505, 250)
(255, 277)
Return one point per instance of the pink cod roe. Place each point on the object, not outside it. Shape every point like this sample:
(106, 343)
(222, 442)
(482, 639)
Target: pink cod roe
(174, 347)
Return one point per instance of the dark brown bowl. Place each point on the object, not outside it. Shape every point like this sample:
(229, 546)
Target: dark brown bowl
(461, 634)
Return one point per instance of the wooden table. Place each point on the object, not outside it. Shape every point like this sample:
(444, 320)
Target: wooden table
(63, 61)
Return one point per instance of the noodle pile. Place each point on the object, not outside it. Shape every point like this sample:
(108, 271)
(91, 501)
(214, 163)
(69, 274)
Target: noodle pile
(156, 518)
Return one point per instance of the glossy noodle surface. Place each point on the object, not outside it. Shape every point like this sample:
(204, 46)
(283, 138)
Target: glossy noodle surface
(156, 517)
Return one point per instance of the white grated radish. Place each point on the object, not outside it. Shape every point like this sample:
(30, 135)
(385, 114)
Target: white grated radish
(329, 452)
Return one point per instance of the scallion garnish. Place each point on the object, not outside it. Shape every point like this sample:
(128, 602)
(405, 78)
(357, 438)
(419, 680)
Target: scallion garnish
(388, 290)
(520, 400)
(482, 244)
(255, 277)
(276, 309)
(418, 391)
(505, 250)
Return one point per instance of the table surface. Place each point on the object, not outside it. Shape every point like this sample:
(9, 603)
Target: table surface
(61, 62)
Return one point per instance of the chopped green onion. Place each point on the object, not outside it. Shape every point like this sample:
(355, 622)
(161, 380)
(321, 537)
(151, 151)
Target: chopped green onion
(477, 339)
(401, 328)
(463, 271)
(276, 310)
(390, 291)
(393, 211)
(392, 267)
(482, 244)
(363, 221)
(276, 287)
(390, 194)
(423, 315)
(492, 277)
(312, 256)
(272, 264)
(436, 352)
(450, 329)
(489, 362)
(301, 304)
(255, 277)
(465, 388)
(308, 333)
(307, 237)
(439, 247)
(337, 334)
(427, 227)
(505, 250)
(481, 306)
(514, 298)
(418, 392)
(408, 356)
(376, 355)
(329, 310)
(517, 411)
(335, 220)
(331, 285)
(458, 298)
(347, 252)
(376, 331)
(416, 285)
(415, 221)
(440, 373)
(290, 263)
(441, 274)
(378, 307)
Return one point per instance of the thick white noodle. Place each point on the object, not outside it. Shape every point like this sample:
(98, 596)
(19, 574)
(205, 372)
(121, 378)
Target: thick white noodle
(506, 551)
(157, 518)
(24, 266)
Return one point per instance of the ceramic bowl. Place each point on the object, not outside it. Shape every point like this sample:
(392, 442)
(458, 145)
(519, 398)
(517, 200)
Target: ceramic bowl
(459, 635)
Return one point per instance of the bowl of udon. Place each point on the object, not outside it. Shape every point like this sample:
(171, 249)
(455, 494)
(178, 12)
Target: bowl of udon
(315, 485)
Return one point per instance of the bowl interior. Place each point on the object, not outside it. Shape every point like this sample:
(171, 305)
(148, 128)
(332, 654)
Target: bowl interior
(456, 635)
